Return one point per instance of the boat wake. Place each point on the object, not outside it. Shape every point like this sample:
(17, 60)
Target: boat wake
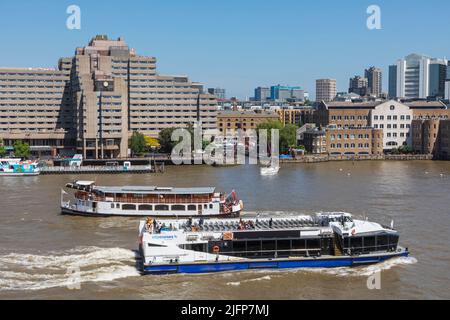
(65, 269)
(340, 272)
(363, 271)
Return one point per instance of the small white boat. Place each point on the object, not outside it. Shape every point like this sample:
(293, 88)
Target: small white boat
(270, 171)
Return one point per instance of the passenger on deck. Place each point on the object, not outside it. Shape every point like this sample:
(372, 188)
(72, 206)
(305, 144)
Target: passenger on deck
(270, 223)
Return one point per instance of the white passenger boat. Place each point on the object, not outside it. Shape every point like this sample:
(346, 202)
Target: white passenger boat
(326, 240)
(91, 200)
(16, 167)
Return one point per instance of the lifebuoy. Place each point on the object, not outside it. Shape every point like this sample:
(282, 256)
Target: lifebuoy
(216, 249)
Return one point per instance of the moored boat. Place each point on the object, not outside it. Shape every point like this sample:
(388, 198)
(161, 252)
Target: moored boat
(16, 167)
(326, 240)
(92, 200)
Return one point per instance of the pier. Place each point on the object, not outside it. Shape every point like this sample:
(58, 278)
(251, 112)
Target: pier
(102, 169)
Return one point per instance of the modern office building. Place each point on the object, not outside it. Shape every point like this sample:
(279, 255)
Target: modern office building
(374, 78)
(325, 90)
(286, 93)
(96, 99)
(262, 94)
(359, 85)
(392, 90)
(219, 93)
(418, 77)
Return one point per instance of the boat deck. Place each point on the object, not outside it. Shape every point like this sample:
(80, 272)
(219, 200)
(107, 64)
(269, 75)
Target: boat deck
(249, 225)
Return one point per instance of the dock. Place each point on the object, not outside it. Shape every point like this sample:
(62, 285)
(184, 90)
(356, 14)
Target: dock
(101, 170)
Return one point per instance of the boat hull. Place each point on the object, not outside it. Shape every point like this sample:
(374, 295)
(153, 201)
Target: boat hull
(68, 211)
(19, 174)
(319, 262)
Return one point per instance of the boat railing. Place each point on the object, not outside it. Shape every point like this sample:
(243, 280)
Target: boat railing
(144, 200)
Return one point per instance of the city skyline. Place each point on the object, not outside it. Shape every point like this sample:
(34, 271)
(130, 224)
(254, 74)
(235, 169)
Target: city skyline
(217, 45)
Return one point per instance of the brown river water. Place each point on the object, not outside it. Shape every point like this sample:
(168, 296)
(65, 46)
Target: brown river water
(39, 247)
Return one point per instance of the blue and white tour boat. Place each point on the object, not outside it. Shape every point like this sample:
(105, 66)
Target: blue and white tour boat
(326, 240)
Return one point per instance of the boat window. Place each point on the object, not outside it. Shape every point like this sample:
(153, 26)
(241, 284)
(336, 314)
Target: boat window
(254, 246)
(269, 245)
(128, 207)
(205, 206)
(356, 245)
(369, 244)
(192, 207)
(117, 205)
(112, 206)
(162, 207)
(239, 246)
(298, 244)
(312, 243)
(145, 207)
(283, 244)
(178, 207)
(382, 242)
(210, 206)
(393, 241)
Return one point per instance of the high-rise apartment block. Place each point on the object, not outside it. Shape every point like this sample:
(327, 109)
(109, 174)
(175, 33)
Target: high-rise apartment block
(96, 99)
(374, 78)
(359, 85)
(325, 90)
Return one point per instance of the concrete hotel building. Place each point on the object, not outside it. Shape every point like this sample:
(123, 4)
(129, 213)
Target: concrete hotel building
(325, 90)
(96, 99)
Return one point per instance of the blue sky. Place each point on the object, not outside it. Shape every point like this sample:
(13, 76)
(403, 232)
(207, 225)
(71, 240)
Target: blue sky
(234, 44)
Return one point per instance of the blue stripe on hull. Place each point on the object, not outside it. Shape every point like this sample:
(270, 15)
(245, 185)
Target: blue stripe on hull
(285, 264)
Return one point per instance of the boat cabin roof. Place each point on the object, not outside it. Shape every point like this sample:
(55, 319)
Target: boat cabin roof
(155, 190)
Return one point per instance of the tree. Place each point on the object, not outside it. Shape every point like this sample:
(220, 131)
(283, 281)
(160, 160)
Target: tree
(288, 137)
(165, 140)
(2, 149)
(21, 149)
(287, 134)
(137, 143)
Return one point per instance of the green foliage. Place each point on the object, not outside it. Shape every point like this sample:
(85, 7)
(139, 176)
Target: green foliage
(2, 149)
(287, 134)
(137, 143)
(288, 137)
(405, 150)
(21, 149)
(165, 140)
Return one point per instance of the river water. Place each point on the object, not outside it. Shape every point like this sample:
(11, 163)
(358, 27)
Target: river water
(40, 249)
